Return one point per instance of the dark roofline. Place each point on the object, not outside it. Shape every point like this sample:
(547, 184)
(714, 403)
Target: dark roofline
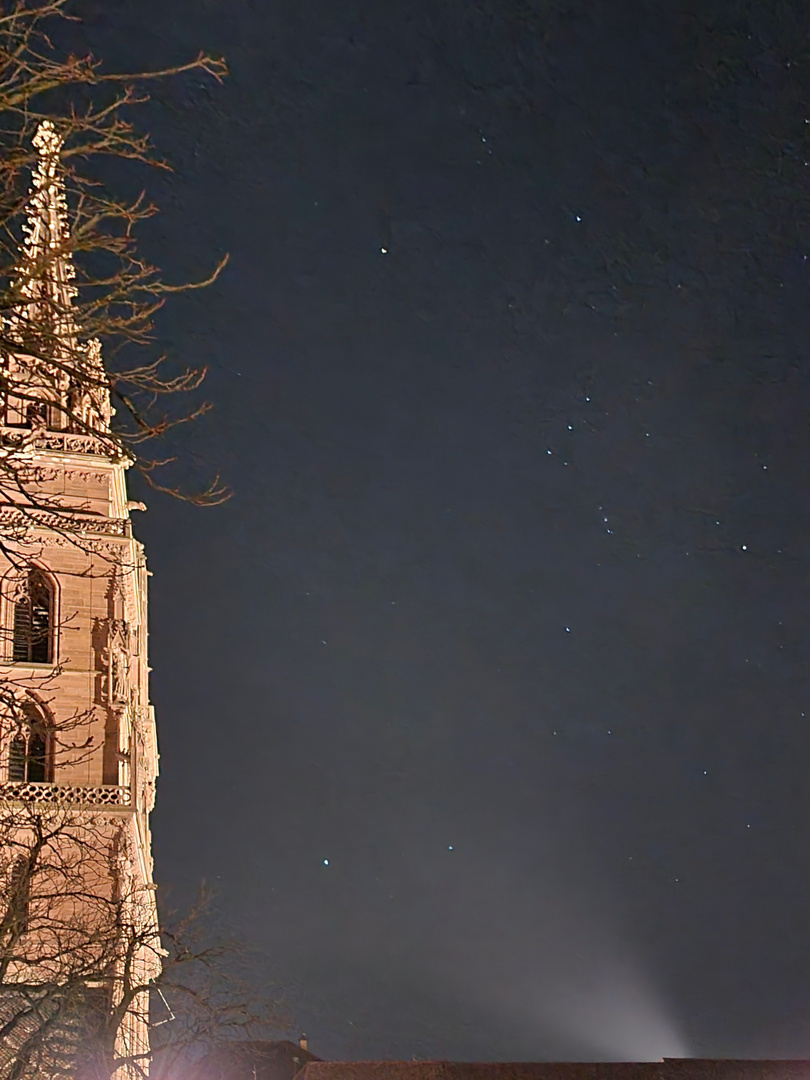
(699, 1068)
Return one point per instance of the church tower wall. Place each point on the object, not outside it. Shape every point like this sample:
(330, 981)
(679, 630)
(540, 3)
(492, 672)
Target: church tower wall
(77, 731)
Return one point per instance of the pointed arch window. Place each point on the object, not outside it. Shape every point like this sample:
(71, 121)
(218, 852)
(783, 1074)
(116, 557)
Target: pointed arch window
(32, 634)
(29, 752)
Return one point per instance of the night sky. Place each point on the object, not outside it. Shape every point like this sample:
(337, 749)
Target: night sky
(482, 702)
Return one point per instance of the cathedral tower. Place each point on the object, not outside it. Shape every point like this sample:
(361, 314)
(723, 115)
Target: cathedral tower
(77, 733)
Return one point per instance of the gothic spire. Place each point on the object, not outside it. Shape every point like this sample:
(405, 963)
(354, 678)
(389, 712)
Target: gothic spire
(46, 271)
(64, 377)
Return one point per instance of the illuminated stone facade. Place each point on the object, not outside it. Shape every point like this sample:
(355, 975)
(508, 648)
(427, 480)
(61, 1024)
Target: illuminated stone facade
(79, 736)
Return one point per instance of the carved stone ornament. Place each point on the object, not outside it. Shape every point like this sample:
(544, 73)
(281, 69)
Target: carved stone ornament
(16, 587)
(69, 521)
(85, 477)
(115, 662)
(38, 474)
(62, 441)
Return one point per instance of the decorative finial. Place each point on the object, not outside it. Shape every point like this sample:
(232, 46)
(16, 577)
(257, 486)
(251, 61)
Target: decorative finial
(47, 141)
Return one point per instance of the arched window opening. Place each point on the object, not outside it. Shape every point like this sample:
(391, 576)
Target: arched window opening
(29, 751)
(32, 638)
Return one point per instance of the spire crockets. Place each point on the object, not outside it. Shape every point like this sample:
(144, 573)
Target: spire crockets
(46, 271)
(63, 378)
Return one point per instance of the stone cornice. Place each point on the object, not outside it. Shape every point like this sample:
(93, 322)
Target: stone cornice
(67, 522)
(60, 441)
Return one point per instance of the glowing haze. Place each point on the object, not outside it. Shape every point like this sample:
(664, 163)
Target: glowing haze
(617, 1015)
(558, 980)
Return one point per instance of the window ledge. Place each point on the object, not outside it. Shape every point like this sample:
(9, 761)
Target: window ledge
(26, 664)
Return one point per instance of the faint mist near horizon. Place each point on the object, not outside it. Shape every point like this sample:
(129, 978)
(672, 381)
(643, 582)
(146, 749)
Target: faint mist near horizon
(557, 979)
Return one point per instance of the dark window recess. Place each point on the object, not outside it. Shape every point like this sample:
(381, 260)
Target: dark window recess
(37, 758)
(84, 1012)
(36, 414)
(19, 894)
(28, 754)
(33, 617)
(17, 754)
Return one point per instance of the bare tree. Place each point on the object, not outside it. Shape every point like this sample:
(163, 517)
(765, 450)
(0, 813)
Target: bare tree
(83, 963)
(85, 968)
(85, 284)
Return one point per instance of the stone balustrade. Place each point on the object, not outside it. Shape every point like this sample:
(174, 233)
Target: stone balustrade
(65, 794)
